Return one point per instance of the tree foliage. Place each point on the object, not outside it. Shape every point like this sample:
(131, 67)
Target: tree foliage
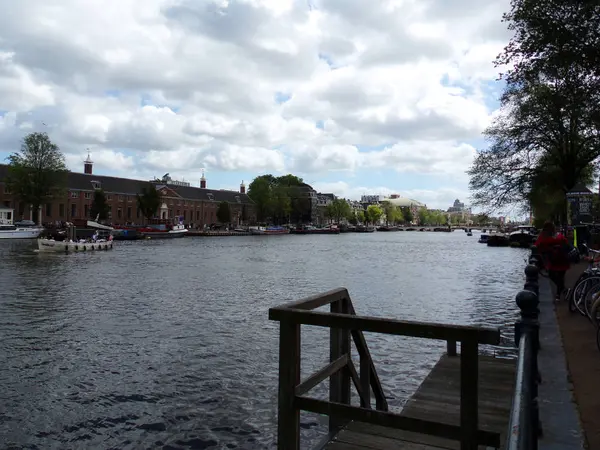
(224, 213)
(373, 214)
(37, 174)
(99, 207)
(407, 214)
(339, 209)
(280, 199)
(149, 201)
(547, 137)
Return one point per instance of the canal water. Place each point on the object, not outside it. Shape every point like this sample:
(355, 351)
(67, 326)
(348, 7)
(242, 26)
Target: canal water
(167, 344)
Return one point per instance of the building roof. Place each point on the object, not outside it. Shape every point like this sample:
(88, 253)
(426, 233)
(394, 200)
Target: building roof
(116, 185)
(403, 202)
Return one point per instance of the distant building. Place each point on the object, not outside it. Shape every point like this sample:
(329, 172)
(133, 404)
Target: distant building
(371, 199)
(197, 205)
(459, 213)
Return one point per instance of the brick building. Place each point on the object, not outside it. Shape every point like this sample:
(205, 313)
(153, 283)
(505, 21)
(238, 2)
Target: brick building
(197, 205)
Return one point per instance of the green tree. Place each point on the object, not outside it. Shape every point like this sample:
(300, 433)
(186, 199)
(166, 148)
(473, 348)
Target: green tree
(424, 217)
(361, 217)
(549, 129)
(99, 207)
(224, 213)
(407, 214)
(373, 214)
(352, 218)
(338, 209)
(148, 201)
(281, 203)
(259, 192)
(37, 174)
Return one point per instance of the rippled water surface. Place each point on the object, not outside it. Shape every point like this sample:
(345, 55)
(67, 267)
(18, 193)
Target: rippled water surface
(167, 344)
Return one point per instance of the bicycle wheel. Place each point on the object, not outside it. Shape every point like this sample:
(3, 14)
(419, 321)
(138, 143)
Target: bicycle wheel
(595, 312)
(591, 295)
(576, 293)
(580, 293)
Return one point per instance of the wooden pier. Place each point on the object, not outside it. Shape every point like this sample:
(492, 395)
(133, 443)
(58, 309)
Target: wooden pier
(438, 399)
(467, 402)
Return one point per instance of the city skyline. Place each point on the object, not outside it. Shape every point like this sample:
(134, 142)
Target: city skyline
(356, 98)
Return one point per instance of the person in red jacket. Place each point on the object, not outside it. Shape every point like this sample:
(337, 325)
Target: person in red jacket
(554, 249)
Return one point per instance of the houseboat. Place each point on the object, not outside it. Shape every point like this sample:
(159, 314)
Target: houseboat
(268, 231)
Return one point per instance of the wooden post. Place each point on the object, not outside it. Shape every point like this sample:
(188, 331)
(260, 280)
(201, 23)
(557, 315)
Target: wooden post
(339, 383)
(288, 421)
(469, 385)
(451, 348)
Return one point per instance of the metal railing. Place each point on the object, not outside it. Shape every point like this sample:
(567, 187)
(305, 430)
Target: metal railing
(524, 425)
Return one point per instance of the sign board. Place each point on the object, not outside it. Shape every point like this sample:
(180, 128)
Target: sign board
(579, 205)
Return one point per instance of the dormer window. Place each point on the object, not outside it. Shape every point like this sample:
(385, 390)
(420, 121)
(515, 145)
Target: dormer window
(210, 197)
(237, 199)
(74, 194)
(96, 185)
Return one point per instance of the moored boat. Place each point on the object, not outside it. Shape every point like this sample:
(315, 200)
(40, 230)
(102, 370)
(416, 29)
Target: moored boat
(483, 239)
(497, 240)
(308, 229)
(164, 228)
(9, 230)
(267, 231)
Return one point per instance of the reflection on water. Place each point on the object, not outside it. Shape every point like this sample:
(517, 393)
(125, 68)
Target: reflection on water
(167, 344)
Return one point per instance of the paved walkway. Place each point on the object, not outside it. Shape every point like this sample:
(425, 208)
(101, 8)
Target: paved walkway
(558, 412)
(583, 362)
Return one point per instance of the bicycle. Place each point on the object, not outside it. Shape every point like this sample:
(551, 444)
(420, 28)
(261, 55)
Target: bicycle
(577, 297)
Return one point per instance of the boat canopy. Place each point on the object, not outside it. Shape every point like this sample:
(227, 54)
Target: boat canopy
(93, 224)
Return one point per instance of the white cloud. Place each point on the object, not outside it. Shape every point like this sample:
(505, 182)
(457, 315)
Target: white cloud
(180, 85)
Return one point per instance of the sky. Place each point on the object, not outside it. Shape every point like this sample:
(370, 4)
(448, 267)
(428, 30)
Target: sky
(354, 96)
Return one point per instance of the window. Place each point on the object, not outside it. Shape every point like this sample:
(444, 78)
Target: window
(210, 197)
(108, 198)
(170, 213)
(129, 198)
(86, 211)
(110, 214)
(137, 213)
(61, 210)
(74, 194)
(8, 215)
(185, 214)
(129, 212)
(48, 209)
(178, 212)
(197, 215)
(87, 195)
(96, 185)
(119, 213)
(237, 199)
(73, 210)
(6, 189)
(120, 198)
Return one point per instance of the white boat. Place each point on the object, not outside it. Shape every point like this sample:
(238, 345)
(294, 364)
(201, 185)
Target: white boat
(50, 245)
(78, 245)
(8, 230)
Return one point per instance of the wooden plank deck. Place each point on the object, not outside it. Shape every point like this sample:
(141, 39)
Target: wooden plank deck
(438, 399)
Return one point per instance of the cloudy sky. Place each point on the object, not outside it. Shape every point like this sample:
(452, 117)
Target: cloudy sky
(355, 96)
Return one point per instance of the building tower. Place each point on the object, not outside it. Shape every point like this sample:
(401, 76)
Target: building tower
(242, 188)
(202, 181)
(87, 164)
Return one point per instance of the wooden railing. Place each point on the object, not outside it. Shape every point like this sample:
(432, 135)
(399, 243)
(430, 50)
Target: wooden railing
(524, 425)
(344, 324)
